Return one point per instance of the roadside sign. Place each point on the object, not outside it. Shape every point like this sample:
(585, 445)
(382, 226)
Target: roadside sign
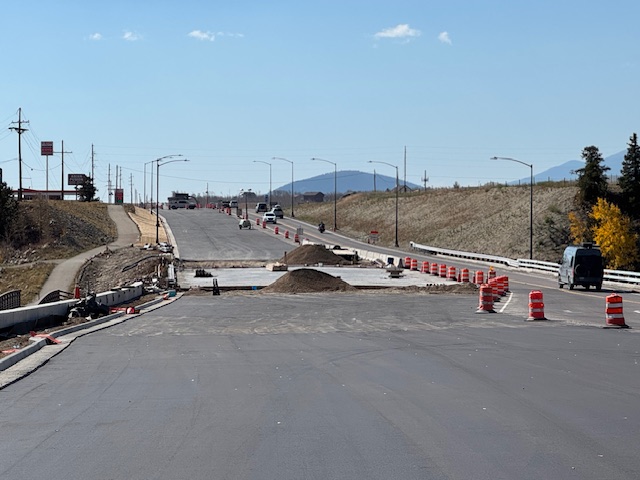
(46, 148)
(76, 178)
(373, 236)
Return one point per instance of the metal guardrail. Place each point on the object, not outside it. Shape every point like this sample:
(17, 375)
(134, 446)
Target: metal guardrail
(619, 276)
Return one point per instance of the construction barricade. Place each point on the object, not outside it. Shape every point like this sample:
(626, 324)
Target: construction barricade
(492, 273)
(486, 299)
(433, 269)
(407, 262)
(451, 273)
(478, 277)
(464, 275)
(276, 230)
(425, 267)
(536, 306)
(414, 264)
(443, 270)
(613, 311)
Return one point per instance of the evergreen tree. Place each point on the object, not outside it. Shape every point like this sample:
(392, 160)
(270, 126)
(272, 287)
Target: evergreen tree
(8, 209)
(592, 180)
(630, 179)
(87, 191)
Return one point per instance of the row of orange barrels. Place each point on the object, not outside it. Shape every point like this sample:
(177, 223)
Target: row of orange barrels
(462, 275)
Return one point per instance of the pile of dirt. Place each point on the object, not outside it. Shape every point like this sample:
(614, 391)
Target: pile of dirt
(312, 255)
(308, 280)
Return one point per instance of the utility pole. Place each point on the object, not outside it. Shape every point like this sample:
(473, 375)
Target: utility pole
(19, 130)
(92, 166)
(425, 179)
(62, 152)
(374, 180)
(131, 187)
(109, 193)
(405, 169)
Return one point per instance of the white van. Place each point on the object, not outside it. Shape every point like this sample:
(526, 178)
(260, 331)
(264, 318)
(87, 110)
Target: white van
(581, 265)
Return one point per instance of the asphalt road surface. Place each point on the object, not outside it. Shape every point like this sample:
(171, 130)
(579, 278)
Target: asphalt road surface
(207, 234)
(364, 386)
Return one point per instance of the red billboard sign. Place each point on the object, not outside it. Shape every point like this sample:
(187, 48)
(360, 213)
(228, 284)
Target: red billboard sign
(46, 148)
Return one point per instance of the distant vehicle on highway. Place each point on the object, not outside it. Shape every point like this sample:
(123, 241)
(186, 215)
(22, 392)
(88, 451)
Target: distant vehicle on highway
(277, 211)
(165, 247)
(233, 204)
(581, 265)
(261, 207)
(270, 217)
(182, 200)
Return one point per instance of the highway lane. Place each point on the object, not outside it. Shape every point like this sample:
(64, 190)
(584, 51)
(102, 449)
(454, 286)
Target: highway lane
(365, 386)
(207, 234)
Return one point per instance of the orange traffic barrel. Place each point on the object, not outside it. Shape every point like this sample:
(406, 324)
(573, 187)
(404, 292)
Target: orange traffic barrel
(443, 270)
(494, 289)
(613, 310)
(500, 285)
(407, 262)
(479, 278)
(258, 221)
(276, 230)
(536, 306)
(464, 275)
(264, 224)
(286, 234)
(296, 238)
(425, 267)
(492, 273)
(506, 283)
(433, 269)
(414, 264)
(451, 275)
(486, 299)
(76, 292)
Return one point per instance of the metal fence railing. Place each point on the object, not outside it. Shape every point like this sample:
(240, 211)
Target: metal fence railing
(620, 276)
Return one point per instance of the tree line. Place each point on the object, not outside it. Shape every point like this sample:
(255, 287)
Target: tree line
(609, 214)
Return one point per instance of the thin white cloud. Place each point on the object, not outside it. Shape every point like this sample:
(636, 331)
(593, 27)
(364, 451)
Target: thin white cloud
(444, 38)
(402, 30)
(95, 36)
(200, 35)
(211, 36)
(131, 36)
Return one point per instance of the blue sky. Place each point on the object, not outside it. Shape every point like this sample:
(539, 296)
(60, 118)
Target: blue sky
(229, 83)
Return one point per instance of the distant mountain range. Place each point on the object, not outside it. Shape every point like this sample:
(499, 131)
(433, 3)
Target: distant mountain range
(566, 171)
(345, 181)
(356, 181)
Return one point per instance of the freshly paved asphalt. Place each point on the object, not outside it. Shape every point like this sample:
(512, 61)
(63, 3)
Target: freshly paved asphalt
(342, 386)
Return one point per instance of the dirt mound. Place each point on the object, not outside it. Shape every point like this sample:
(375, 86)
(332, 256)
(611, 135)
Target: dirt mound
(311, 255)
(308, 280)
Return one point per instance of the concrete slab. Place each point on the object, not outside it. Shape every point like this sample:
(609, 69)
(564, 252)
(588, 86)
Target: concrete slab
(261, 277)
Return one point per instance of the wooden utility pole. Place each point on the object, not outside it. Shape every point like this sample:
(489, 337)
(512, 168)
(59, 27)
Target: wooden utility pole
(19, 130)
(62, 152)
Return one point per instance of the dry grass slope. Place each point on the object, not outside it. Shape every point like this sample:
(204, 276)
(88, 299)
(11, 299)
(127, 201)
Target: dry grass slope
(490, 220)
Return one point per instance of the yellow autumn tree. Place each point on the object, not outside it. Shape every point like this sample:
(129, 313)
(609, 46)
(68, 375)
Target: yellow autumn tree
(612, 232)
(578, 228)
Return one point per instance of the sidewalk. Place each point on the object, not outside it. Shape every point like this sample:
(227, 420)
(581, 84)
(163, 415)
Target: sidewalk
(63, 275)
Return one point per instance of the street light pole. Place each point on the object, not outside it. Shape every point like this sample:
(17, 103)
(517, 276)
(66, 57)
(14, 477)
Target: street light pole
(267, 163)
(280, 158)
(151, 183)
(335, 191)
(530, 165)
(158, 165)
(397, 190)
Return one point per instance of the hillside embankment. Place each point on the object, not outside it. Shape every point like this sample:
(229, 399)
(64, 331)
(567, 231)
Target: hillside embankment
(490, 220)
